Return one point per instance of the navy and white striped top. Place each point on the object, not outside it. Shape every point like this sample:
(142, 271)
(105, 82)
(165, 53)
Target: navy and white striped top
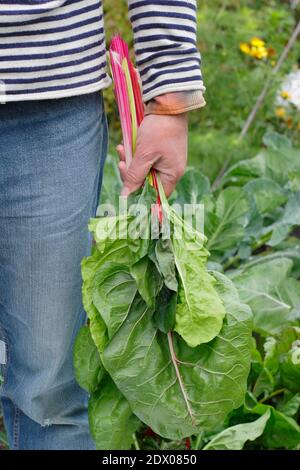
(56, 48)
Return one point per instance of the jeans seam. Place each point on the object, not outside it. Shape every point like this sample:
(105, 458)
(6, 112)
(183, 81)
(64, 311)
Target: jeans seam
(16, 428)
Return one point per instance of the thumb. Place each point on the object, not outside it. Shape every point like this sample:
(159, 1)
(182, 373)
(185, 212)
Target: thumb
(136, 175)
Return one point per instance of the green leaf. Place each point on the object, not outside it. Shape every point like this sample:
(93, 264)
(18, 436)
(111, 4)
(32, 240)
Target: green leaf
(290, 366)
(269, 163)
(139, 225)
(199, 312)
(98, 330)
(276, 141)
(87, 364)
(290, 406)
(147, 279)
(115, 249)
(289, 219)
(165, 261)
(113, 293)
(281, 431)
(165, 312)
(235, 437)
(268, 194)
(111, 420)
(213, 375)
(227, 227)
(192, 187)
(245, 170)
(271, 294)
(265, 382)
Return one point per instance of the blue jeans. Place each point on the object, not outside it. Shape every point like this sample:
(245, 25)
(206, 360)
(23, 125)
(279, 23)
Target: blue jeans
(51, 162)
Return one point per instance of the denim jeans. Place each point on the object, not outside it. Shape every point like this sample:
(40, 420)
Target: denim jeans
(51, 162)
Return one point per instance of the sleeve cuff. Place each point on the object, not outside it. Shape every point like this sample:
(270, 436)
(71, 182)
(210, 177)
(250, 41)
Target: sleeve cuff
(176, 102)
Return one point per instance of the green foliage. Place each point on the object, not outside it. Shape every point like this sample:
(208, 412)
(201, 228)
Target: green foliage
(87, 363)
(129, 283)
(241, 216)
(235, 437)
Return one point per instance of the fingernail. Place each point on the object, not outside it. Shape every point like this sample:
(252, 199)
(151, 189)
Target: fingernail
(125, 191)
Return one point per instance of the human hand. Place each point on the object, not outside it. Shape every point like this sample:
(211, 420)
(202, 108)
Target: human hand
(162, 145)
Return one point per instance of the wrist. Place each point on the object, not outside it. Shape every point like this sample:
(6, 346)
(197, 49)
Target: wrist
(175, 103)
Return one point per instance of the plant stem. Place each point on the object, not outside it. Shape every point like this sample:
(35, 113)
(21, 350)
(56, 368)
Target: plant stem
(198, 440)
(274, 394)
(178, 375)
(230, 262)
(135, 442)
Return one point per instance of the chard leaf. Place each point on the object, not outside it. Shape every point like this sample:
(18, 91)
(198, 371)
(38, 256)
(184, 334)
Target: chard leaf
(116, 249)
(290, 406)
(235, 437)
(139, 209)
(113, 293)
(147, 279)
(112, 423)
(97, 326)
(87, 363)
(281, 431)
(272, 295)
(200, 311)
(165, 261)
(164, 316)
(213, 375)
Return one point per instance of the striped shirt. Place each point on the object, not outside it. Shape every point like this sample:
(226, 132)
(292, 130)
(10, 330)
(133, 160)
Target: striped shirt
(56, 48)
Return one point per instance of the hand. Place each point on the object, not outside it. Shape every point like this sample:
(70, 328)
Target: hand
(161, 144)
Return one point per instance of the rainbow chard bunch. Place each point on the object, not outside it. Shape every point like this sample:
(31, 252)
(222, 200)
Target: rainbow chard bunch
(167, 342)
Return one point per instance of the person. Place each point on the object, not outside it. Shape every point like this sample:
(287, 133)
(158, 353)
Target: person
(53, 143)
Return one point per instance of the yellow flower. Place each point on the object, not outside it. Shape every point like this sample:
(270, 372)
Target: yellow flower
(257, 42)
(285, 95)
(245, 48)
(259, 52)
(280, 112)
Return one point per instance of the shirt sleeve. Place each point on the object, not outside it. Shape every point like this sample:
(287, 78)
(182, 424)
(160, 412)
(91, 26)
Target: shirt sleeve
(165, 46)
(175, 103)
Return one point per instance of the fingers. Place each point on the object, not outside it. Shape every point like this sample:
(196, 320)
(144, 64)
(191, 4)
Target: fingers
(171, 174)
(168, 184)
(123, 170)
(121, 152)
(135, 175)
